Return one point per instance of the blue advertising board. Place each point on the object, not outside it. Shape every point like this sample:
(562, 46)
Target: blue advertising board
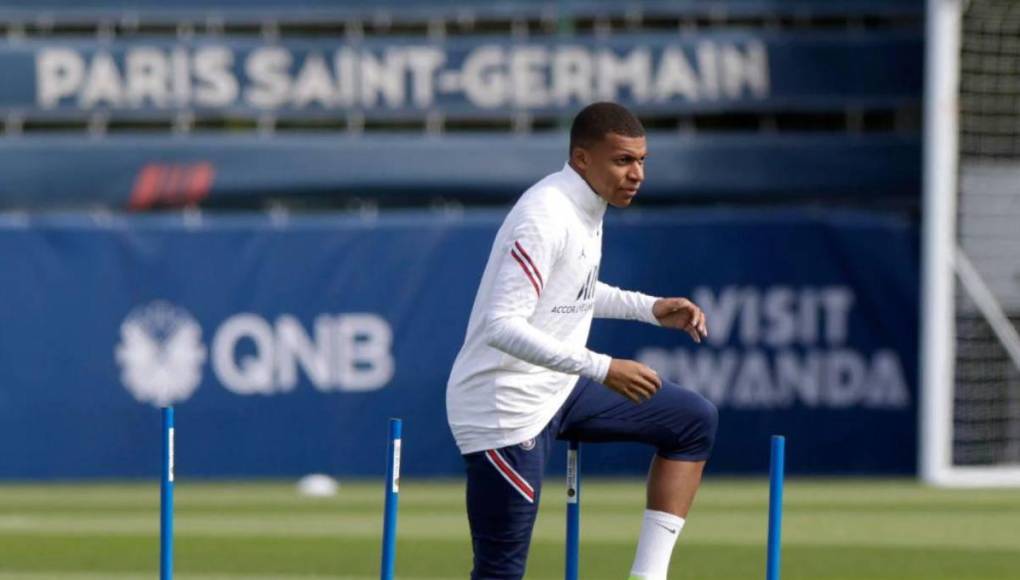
(285, 345)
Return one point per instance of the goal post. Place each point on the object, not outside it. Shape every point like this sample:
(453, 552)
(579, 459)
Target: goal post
(970, 349)
(942, 54)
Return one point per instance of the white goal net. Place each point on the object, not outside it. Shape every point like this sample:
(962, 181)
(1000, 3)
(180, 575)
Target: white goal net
(976, 420)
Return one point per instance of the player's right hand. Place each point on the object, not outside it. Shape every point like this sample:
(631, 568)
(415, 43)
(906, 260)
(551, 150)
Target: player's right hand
(632, 379)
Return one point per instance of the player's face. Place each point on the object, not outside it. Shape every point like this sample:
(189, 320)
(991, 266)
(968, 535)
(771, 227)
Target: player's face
(614, 167)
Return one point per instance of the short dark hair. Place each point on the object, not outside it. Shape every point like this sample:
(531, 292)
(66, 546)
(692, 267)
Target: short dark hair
(597, 120)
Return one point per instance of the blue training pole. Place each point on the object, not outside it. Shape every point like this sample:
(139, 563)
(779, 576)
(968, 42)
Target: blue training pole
(166, 498)
(776, 468)
(389, 550)
(573, 510)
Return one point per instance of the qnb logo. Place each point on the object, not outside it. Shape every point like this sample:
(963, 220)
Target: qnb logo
(347, 352)
(160, 353)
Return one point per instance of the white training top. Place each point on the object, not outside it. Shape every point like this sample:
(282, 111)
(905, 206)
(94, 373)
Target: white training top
(525, 343)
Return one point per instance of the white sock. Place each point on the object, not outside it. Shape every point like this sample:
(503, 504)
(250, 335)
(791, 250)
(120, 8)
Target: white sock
(659, 532)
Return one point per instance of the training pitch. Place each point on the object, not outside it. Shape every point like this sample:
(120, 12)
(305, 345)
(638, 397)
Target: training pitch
(833, 529)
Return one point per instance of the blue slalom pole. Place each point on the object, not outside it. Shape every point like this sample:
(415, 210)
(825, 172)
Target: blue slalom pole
(389, 549)
(775, 542)
(166, 498)
(573, 510)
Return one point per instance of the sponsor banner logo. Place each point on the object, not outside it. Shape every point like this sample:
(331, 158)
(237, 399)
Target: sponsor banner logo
(161, 353)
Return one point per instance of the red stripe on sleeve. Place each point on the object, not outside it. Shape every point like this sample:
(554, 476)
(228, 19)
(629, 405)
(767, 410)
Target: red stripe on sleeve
(538, 290)
(528, 258)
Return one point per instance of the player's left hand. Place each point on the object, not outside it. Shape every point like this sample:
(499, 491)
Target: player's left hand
(682, 314)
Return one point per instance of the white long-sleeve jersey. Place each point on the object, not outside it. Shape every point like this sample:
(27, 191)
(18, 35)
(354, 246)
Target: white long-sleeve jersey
(525, 343)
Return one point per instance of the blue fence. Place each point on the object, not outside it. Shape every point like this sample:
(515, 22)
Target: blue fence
(47, 172)
(286, 345)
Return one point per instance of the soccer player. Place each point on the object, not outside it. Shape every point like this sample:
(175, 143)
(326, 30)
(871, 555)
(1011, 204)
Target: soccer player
(524, 376)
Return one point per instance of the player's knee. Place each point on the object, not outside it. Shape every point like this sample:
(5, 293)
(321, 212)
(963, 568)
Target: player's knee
(710, 420)
(704, 422)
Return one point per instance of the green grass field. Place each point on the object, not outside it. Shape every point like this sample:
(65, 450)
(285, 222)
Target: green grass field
(834, 529)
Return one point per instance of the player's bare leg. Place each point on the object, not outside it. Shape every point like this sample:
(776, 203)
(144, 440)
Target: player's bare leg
(672, 485)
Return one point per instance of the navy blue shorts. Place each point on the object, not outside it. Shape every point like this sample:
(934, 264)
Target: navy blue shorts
(504, 485)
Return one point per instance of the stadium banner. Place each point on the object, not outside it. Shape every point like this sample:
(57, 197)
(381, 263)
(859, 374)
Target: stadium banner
(472, 75)
(285, 344)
